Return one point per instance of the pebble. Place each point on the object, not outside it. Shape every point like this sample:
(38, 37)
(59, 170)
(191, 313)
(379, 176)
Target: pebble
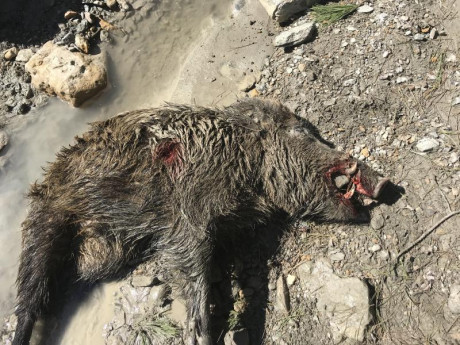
(419, 37)
(10, 54)
(386, 53)
(401, 80)
(349, 82)
(290, 279)
(336, 256)
(70, 14)
(301, 67)
(375, 248)
(450, 57)
(453, 158)
(365, 9)
(24, 55)
(247, 83)
(112, 4)
(3, 139)
(453, 303)
(82, 43)
(427, 144)
(433, 33)
(142, 280)
(456, 101)
(377, 222)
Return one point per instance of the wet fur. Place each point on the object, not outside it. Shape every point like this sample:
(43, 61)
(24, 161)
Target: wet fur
(168, 180)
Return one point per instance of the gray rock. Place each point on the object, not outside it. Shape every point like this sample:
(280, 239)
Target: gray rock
(453, 303)
(282, 302)
(427, 144)
(24, 55)
(419, 37)
(282, 10)
(296, 35)
(74, 77)
(3, 139)
(453, 158)
(239, 337)
(365, 9)
(247, 83)
(112, 4)
(336, 255)
(158, 294)
(344, 302)
(375, 248)
(377, 222)
(142, 280)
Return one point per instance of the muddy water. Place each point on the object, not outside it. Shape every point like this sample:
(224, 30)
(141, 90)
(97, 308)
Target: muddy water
(144, 68)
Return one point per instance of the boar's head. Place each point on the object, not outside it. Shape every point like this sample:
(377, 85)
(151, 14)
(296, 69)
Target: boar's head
(303, 175)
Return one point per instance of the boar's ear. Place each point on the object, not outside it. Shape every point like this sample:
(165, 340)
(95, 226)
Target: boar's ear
(170, 153)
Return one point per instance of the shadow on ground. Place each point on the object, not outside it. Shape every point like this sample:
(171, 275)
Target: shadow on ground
(33, 21)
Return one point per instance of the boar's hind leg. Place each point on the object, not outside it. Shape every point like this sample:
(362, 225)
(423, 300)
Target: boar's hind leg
(188, 253)
(46, 248)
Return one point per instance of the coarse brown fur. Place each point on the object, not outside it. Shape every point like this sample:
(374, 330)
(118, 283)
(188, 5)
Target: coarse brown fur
(168, 180)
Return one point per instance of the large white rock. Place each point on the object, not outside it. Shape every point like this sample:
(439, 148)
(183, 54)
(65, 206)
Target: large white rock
(282, 10)
(344, 302)
(74, 77)
(296, 35)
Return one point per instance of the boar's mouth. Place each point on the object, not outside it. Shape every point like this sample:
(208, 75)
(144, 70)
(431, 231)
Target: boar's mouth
(349, 183)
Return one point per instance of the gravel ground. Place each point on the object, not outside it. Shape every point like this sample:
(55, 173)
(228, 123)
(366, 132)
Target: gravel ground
(385, 87)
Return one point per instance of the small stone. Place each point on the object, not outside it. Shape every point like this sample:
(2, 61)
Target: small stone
(70, 14)
(453, 158)
(336, 256)
(330, 102)
(419, 37)
(310, 76)
(401, 80)
(377, 222)
(237, 337)
(433, 33)
(365, 152)
(82, 43)
(450, 57)
(3, 139)
(349, 82)
(247, 83)
(386, 53)
(290, 279)
(24, 55)
(453, 303)
(158, 294)
(427, 144)
(10, 54)
(282, 302)
(112, 4)
(375, 248)
(365, 9)
(142, 280)
(296, 35)
(301, 67)
(456, 101)
(253, 93)
(90, 17)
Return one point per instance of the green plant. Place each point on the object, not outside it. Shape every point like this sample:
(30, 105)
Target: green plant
(331, 13)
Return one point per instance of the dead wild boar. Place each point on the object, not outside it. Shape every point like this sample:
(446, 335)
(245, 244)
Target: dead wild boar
(169, 179)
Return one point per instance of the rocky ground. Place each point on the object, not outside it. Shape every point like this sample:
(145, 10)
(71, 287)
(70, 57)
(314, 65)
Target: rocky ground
(384, 85)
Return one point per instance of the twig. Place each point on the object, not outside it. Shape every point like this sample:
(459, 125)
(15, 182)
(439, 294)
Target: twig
(425, 235)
